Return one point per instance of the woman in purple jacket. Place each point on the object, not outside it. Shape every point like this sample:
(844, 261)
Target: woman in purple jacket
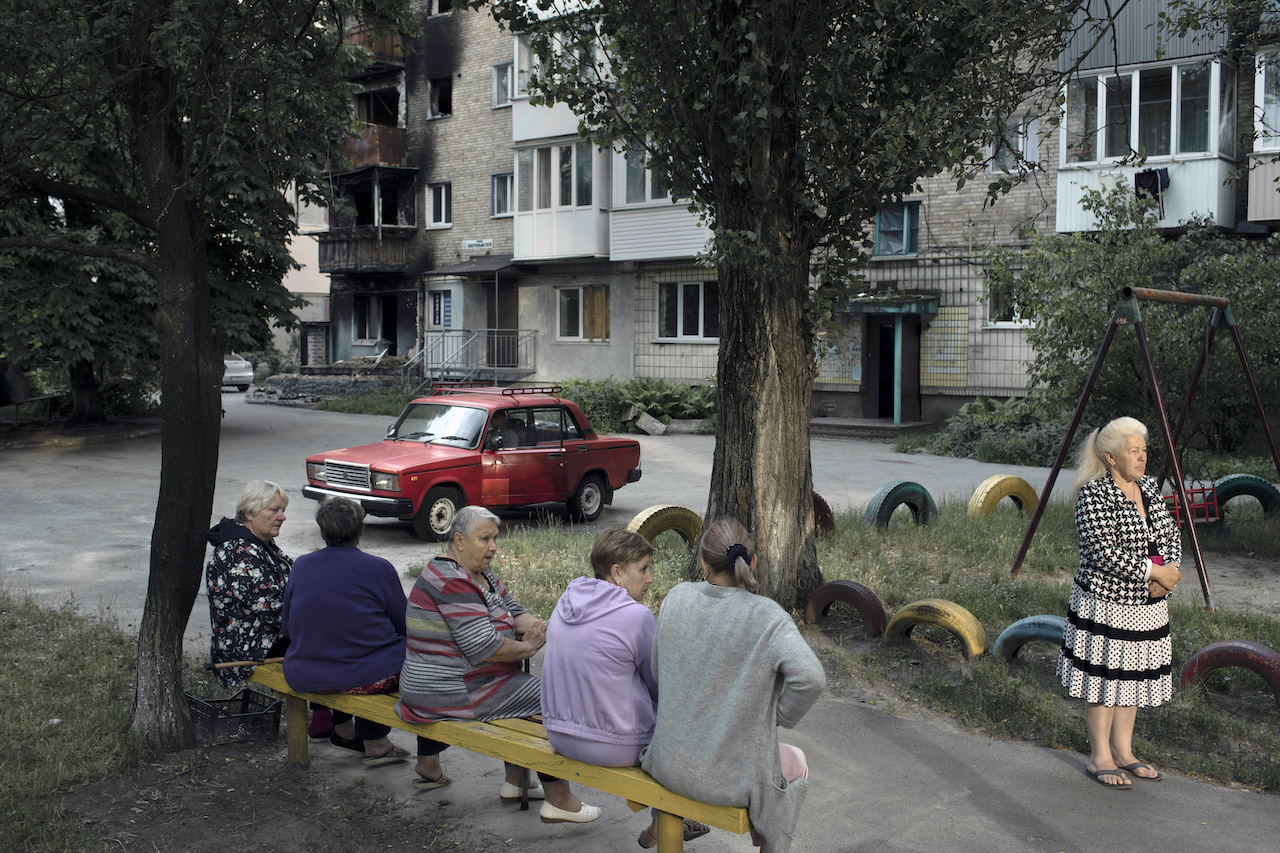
(599, 696)
(344, 614)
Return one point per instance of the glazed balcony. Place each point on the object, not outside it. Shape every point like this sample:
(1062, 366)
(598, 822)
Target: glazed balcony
(365, 249)
(379, 145)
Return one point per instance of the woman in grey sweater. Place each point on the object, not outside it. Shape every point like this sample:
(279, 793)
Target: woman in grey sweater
(732, 667)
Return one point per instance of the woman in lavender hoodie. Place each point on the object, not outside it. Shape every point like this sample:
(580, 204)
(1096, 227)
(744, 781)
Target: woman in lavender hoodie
(599, 696)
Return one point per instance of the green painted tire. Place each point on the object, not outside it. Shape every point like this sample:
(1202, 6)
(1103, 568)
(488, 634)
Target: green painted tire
(890, 496)
(1247, 485)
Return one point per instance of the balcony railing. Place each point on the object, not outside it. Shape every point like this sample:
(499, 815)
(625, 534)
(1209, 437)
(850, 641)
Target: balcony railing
(387, 48)
(365, 250)
(379, 145)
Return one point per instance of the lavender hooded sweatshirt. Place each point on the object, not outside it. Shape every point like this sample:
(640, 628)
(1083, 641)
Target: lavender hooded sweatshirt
(596, 680)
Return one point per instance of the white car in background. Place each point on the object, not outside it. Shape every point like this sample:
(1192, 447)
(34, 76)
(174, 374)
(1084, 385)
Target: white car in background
(237, 372)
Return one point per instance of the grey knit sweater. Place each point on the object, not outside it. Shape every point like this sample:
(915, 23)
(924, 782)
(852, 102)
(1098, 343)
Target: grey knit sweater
(731, 667)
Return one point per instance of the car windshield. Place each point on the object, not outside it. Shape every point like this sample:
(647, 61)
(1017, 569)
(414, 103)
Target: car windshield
(437, 423)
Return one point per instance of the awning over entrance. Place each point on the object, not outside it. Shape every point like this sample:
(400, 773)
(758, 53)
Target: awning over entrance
(892, 302)
(483, 266)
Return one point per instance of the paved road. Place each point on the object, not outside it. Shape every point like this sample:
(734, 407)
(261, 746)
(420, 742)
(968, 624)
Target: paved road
(78, 519)
(77, 522)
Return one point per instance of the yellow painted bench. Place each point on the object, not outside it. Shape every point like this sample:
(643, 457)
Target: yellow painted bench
(520, 742)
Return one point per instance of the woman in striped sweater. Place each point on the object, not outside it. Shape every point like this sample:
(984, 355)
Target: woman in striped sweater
(463, 657)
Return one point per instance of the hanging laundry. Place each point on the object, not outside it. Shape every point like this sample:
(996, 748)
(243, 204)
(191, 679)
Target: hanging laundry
(1152, 183)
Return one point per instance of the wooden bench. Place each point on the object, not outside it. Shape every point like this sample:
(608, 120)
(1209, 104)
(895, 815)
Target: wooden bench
(47, 399)
(520, 742)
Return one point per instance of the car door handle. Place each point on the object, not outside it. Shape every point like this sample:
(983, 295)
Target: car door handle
(555, 455)
(582, 447)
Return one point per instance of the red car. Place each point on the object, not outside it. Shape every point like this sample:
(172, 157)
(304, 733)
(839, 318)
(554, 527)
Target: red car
(496, 447)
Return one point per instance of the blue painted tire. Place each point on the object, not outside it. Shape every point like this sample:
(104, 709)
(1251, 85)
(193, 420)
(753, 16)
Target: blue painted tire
(890, 496)
(1044, 629)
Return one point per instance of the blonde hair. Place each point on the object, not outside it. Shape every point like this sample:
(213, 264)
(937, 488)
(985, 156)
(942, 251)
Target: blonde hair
(727, 547)
(1092, 461)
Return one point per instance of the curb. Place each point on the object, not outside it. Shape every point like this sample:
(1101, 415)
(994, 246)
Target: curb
(51, 440)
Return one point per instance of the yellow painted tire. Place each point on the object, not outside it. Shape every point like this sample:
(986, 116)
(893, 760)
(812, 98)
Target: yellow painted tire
(947, 615)
(995, 489)
(659, 519)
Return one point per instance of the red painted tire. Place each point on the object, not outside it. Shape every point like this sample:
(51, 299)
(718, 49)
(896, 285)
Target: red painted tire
(1247, 654)
(848, 592)
(823, 520)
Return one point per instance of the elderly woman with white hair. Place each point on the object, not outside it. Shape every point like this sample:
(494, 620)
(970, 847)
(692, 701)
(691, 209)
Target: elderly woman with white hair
(1116, 651)
(245, 580)
(463, 658)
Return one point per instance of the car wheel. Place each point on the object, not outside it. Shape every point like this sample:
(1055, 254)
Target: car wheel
(587, 502)
(242, 387)
(435, 516)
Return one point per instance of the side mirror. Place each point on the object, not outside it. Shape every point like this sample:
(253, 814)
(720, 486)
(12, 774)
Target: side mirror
(494, 443)
(391, 431)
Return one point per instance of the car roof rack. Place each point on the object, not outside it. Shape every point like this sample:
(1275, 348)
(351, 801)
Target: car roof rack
(481, 388)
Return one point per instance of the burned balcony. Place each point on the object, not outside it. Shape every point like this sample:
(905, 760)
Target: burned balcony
(379, 145)
(365, 249)
(386, 48)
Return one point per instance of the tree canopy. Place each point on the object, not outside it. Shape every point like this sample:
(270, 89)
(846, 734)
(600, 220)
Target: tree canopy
(1067, 286)
(789, 124)
(179, 124)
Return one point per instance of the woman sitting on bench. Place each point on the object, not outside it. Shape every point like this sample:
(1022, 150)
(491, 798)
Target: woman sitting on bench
(732, 667)
(344, 616)
(599, 697)
(463, 658)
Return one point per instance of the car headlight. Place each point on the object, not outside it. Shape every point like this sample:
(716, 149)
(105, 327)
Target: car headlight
(315, 471)
(385, 482)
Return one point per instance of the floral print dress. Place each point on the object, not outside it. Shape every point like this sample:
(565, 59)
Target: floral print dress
(245, 581)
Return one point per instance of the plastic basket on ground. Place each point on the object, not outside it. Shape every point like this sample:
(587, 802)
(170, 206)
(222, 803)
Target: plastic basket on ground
(246, 716)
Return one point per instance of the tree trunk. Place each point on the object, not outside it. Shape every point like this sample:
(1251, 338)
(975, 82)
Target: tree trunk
(86, 395)
(191, 355)
(762, 474)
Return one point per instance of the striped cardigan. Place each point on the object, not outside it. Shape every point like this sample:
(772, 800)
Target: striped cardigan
(453, 626)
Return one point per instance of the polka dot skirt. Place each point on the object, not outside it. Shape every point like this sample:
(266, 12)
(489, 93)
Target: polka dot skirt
(1116, 654)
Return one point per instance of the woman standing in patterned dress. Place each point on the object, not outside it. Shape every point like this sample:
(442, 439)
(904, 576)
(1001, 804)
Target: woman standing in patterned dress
(1117, 655)
(245, 580)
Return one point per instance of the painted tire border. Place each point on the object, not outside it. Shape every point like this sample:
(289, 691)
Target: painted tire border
(998, 487)
(1044, 628)
(894, 494)
(944, 614)
(824, 521)
(847, 592)
(1247, 654)
(1242, 485)
(663, 517)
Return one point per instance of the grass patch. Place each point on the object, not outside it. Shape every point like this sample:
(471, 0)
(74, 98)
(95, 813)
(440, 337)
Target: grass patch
(69, 683)
(388, 401)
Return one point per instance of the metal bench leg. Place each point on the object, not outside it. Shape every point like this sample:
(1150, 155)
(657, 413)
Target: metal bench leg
(295, 710)
(670, 833)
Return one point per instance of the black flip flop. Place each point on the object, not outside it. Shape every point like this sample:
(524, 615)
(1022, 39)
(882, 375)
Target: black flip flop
(1097, 775)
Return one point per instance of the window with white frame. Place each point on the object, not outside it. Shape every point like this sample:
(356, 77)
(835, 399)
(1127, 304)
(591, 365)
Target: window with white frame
(504, 189)
(1003, 311)
(503, 82)
(1150, 112)
(688, 309)
(583, 313)
(526, 65)
(440, 197)
(898, 228)
(1018, 149)
(554, 176)
(440, 97)
(641, 185)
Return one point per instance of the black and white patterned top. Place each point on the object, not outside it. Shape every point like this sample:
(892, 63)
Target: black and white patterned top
(1115, 541)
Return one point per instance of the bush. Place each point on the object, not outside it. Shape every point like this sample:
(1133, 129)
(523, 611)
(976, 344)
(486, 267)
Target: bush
(1009, 433)
(600, 400)
(607, 402)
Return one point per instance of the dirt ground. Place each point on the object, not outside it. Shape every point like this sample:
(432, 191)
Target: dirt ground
(245, 798)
